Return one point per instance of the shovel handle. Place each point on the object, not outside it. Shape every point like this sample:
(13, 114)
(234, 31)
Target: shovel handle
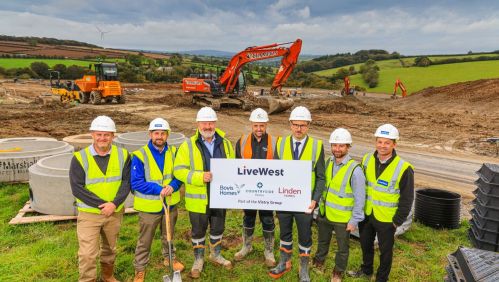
(166, 208)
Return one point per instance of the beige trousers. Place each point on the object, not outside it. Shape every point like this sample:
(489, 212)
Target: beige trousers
(96, 232)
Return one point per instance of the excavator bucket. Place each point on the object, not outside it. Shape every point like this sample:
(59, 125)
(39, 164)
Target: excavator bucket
(279, 105)
(274, 105)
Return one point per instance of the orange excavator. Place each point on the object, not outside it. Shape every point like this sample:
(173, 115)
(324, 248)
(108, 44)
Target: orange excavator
(399, 84)
(346, 89)
(230, 89)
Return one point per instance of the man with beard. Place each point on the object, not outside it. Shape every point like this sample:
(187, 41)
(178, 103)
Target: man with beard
(192, 167)
(390, 194)
(299, 146)
(257, 145)
(152, 177)
(100, 181)
(342, 203)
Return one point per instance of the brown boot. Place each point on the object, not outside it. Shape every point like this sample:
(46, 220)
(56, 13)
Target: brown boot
(177, 265)
(337, 276)
(139, 276)
(107, 270)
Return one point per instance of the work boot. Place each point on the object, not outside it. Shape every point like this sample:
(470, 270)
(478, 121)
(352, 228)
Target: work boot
(268, 237)
(282, 267)
(139, 276)
(337, 276)
(107, 270)
(247, 248)
(317, 263)
(177, 265)
(358, 274)
(217, 258)
(304, 277)
(197, 266)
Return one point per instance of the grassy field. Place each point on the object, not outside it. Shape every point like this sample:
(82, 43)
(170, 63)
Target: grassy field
(417, 78)
(8, 63)
(48, 251)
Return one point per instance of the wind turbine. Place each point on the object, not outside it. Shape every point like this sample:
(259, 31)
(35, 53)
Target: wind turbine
(101, 32)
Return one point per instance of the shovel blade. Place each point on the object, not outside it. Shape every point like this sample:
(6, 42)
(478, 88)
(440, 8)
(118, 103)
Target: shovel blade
(166, 278)
(177, 277)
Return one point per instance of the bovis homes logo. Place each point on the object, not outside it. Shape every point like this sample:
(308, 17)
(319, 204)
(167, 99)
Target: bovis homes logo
(231, 190)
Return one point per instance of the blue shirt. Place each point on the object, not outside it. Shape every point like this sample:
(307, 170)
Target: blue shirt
(209, 145)
(138, 180)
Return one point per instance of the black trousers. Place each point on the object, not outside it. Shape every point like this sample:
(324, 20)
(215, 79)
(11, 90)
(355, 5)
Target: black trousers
(368, 229)
(266, 218)
(304, 226)
(200, 221)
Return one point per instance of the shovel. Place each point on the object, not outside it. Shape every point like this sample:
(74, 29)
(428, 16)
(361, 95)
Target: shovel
(174, 276)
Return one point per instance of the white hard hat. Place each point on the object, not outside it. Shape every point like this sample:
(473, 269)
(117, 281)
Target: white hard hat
(259, 115)
(340, 136)
(300, 113)
(387, 131)
(159, 124)
(206, 114)
(103, 123)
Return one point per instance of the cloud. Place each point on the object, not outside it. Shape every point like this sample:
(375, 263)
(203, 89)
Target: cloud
(326, 27)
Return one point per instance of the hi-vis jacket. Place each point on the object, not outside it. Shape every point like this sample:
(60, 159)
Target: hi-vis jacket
(189, 168)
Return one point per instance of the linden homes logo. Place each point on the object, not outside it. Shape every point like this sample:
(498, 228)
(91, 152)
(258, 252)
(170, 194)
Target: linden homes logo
(289, 192)
(229, 190)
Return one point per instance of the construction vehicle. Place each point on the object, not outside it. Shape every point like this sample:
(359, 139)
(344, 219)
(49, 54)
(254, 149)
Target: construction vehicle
(229, 89)
(67, 91)
(103, 85)
(346, 88)
(399, 84)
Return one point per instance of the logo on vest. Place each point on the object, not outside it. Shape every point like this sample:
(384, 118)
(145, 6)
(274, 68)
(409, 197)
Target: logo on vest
(382, 182)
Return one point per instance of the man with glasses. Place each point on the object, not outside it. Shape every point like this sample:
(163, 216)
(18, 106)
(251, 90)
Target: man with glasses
(299, 146)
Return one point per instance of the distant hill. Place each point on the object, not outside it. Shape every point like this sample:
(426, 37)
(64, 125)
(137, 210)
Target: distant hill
(46, 40)
(208, 53)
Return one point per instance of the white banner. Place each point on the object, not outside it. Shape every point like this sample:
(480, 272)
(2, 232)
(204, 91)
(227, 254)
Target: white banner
(261, 184)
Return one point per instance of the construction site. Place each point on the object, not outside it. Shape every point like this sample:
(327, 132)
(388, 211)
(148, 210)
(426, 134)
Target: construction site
(448, 133)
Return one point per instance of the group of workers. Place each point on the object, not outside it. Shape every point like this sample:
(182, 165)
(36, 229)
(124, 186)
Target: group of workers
(374, 196)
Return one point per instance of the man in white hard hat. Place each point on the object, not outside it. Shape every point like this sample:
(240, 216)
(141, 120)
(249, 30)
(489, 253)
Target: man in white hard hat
(257, 145)
(299, 146)
(100, 181)
(151, 179)
(390, 194)
(342, 203)
(192, 167)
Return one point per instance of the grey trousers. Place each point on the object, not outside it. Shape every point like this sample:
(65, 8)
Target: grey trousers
(326, 228)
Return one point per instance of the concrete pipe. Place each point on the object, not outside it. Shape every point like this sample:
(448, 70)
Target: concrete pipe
(132, 141)
(16, 156)
(50, 191)
(26, 139)
(79, 141)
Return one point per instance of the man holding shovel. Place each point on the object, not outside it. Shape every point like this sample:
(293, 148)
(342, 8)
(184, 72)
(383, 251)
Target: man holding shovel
(152, 181)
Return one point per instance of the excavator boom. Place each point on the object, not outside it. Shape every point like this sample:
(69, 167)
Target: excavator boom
(399, 84)
(251, 54)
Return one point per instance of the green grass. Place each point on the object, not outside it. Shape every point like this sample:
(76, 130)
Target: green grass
(9, 63)
(417, 78)
(48, 251)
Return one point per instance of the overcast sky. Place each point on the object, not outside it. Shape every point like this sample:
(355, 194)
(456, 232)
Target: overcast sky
(325, 26)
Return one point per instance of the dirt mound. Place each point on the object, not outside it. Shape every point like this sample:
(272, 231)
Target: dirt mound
(464, 96)
(341, 105)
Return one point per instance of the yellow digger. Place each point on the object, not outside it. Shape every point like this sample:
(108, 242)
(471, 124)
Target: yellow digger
(67, 91)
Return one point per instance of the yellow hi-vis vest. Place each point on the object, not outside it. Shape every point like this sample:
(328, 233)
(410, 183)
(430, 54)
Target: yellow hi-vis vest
(310, 152)
(105, 186)
(338, 199)
(189, 168)
(152, 173)
(383, 193)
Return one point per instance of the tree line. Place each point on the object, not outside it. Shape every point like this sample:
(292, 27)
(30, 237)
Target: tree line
(33, 41)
